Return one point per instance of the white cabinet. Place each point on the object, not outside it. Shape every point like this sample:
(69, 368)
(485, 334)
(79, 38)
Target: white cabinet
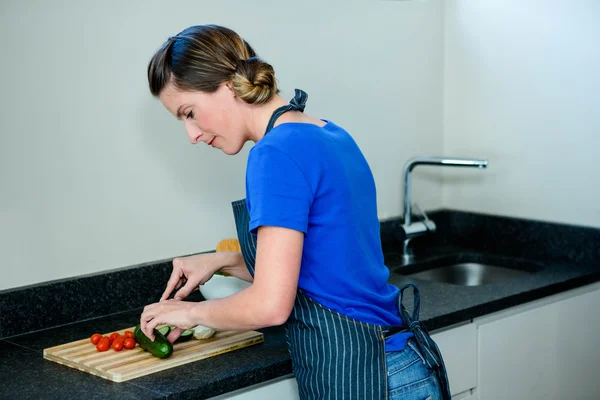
(285, 388)
(458, 346)
(548, 349)
(468, 395)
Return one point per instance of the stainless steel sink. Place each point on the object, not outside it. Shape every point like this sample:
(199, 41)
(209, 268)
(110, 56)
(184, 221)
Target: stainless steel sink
(469, 274)
(467, 269)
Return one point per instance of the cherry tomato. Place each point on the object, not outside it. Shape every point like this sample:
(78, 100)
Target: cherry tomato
(117, 345)
(128, 334)
(113, 336)
(95, 338)
(129, 343)
(103, 344)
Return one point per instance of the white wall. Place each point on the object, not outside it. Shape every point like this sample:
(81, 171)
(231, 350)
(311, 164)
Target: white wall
(522, 88)
(96, 175)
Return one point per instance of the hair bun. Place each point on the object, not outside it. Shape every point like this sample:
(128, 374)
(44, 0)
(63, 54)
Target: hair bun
(254, 81)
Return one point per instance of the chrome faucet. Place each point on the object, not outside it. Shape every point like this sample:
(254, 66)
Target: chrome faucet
(414, 229)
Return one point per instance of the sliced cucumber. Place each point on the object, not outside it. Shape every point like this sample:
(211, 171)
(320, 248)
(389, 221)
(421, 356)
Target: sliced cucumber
(164, 330)
(185, 336)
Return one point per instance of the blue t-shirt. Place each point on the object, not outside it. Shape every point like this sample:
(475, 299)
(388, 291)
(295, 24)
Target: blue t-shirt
(316, 180)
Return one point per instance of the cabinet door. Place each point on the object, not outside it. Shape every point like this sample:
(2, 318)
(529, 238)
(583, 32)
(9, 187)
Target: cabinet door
(280, 389)
(458, 346)
(465, 396)
(546, 352)
(578, 347)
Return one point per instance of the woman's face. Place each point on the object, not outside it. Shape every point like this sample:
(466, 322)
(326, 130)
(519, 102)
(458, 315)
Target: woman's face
(212, 118)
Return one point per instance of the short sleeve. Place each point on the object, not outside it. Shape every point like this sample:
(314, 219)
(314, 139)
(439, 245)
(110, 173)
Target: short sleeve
(277, 191)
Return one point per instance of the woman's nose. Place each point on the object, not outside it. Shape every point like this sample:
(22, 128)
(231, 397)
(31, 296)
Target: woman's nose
(194, 139)
(194, 134)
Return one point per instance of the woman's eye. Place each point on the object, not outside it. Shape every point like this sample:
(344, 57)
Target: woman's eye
(190, 115)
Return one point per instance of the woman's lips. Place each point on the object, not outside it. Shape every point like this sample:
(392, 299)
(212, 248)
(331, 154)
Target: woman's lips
(210, 142)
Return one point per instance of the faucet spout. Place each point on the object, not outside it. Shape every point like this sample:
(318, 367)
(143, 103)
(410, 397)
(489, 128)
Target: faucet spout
(412, 230)
(427, 160)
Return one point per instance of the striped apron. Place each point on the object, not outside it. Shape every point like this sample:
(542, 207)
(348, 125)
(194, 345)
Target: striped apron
(335, 356)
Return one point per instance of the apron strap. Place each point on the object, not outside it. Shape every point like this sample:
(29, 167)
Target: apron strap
(416, 302)
(429, 349)
(297, 104)
(410, 323)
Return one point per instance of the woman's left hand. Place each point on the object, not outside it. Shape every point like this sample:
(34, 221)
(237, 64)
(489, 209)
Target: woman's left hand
(170, 312)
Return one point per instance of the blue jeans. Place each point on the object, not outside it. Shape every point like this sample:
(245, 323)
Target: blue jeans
(408, 376)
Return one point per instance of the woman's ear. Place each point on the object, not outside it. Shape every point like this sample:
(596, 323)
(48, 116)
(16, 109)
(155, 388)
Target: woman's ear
(230, 87)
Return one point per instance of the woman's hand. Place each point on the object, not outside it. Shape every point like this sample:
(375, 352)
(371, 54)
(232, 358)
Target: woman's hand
(267, 302)
(170, 312)
(190, 272)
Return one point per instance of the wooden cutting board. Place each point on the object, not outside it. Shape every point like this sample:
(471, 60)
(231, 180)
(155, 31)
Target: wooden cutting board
(121, 366)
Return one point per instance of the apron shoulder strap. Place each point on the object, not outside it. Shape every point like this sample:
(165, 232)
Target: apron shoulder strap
(298, 103)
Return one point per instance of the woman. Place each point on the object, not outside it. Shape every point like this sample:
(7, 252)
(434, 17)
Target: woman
(308, 229)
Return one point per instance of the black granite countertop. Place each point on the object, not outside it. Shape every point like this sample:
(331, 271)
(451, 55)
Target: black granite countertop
(28, 376)
(445, 304)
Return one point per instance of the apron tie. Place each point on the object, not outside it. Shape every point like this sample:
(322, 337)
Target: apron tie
(430, 351)
(299, 100)
(298, 103)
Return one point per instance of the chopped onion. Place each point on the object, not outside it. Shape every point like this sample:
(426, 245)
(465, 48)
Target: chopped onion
(203, 332)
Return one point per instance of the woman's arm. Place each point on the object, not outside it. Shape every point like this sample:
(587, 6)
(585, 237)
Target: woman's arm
(267, 302)
(270, 299)
(235, 266)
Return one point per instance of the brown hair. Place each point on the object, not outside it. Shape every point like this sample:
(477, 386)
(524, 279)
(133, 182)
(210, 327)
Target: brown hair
(204, 56)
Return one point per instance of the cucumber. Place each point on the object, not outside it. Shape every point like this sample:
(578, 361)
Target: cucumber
(160, 348)
(185, 336)
(165, 330)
